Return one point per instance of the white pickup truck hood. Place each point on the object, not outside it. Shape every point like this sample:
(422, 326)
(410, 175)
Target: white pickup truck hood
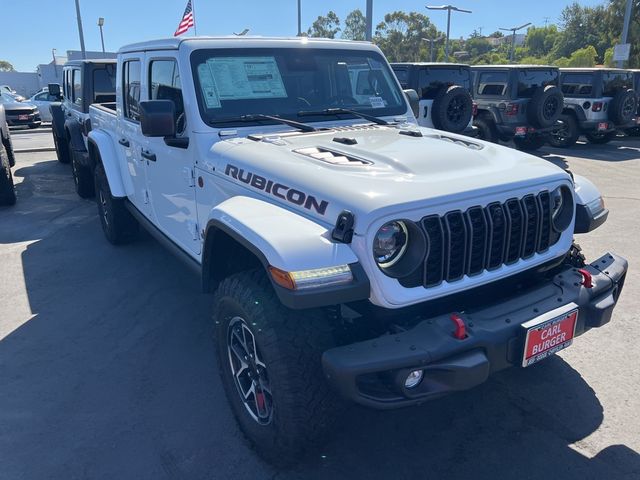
(385, 171)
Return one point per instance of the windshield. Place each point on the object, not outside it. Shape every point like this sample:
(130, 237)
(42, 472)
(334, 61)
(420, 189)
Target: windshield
(231, 83)
(6, 98)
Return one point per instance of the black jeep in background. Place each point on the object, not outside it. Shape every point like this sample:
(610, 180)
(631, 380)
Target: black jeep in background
(517, 102)
(444, 93)
(597, 103)
(7, 160)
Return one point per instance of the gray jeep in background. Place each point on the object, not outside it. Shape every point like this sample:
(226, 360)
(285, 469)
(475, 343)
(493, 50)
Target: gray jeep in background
(522, 103)
(598, 102)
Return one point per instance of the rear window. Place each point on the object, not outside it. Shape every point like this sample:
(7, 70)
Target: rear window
(403, 76)
(432, 80)
(613, 82)
(104, 84)
(529, 81)
(577, 84)
(493, 83)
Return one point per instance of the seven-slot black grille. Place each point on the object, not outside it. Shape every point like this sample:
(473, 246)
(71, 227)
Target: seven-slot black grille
(485, 238)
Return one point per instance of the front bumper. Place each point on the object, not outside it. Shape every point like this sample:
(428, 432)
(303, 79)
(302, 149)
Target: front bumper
(14, 120)
(372, 372)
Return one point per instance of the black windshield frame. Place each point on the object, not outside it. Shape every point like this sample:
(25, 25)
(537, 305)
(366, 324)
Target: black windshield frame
(292, 61)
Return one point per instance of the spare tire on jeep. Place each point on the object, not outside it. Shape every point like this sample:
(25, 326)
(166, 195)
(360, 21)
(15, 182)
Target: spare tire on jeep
(545, 106)
(452, 109)
(623, 107)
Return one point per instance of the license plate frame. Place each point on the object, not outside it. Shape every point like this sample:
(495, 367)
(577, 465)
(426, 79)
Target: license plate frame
(521, 131)
(23, 117)
(603, 126)
(554, 324)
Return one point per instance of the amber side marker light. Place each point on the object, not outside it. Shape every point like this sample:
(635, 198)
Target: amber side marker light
(317, 277)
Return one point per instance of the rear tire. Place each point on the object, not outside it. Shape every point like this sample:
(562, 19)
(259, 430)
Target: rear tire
(278, 393)
(568, 135)
(486, 129)
(8, 145)
(600, 138)
(118, 224)
(7, 190)
(529, 144)
(62, 149)
(82, 176)
(452, 109)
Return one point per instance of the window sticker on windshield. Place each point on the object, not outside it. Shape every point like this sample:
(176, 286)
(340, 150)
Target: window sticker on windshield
(376, 102)
(246, 78)
(209, 90)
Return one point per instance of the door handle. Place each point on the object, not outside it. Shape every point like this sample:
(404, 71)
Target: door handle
(148, 155)
(124, 142)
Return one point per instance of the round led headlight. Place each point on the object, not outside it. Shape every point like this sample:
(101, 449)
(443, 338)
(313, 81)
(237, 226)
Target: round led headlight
(390, 243)
(561, 208)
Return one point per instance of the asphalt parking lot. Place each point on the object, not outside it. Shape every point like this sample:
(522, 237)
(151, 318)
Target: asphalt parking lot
(107, 368)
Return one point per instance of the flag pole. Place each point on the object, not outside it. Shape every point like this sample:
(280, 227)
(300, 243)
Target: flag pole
(193, 10)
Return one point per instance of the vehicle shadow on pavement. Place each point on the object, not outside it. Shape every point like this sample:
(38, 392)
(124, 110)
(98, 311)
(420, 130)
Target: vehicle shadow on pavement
(621, 150)
(110, 373)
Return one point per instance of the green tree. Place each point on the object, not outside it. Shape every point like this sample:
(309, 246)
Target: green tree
(6, 66)
(355, 26)
(325, 26)
(540, 40)
(477, 46)
(613, 21)
(581, 26)
(583, 57)
(400, 36)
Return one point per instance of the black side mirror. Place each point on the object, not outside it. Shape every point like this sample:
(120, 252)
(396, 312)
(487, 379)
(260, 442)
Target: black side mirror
(413, 99)
(157, 118)
(54, 90)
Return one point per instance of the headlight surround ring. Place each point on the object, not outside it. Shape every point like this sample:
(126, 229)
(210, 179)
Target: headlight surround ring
(562, 208)
(410, 252)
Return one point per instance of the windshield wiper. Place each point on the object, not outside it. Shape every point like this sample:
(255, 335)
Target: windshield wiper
(260, 116)
(338, 111)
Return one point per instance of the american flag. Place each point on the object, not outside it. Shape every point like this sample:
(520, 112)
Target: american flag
(187, 20)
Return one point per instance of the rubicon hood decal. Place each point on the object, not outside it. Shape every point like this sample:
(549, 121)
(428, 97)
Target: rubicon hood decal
(276, 189)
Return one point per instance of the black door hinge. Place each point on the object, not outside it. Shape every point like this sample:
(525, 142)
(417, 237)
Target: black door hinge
(343, 231)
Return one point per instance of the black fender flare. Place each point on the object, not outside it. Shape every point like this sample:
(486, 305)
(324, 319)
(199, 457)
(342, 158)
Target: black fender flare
(74, 133)
(57, 119)
(575, 110)
(491, 112)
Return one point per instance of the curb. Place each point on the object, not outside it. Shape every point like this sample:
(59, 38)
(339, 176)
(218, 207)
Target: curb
(32, 131)
(32, 150)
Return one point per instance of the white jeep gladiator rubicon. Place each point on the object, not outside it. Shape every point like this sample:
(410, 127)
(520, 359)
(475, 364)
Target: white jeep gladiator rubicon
(351, 253)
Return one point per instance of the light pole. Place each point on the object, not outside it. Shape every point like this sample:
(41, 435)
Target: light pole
(79, 19)
(100, 24)
(55, 66)
(368, 34)
(431, 42)
(299, 18)
(448, 8)
(513, 38)
(625, 27)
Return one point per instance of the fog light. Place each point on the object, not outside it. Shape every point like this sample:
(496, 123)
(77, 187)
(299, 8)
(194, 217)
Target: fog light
(413, 379)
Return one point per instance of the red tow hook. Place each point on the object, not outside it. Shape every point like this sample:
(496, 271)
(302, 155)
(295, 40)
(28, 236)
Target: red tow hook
(460, 333)
(587, 280)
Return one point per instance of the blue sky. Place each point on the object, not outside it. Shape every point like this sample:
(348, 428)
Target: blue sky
(52, 23)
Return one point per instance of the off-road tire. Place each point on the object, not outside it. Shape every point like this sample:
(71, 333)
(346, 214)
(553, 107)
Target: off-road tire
(62, 148)
(600, 138)
(545, 106)
(633, 131)
(118, 224)
(623, 107)
(452, 109)
(290, 344)
(82, 176)
(567, 136)
(486, 129)
(8, 145)
(7, 190)
(529, 143)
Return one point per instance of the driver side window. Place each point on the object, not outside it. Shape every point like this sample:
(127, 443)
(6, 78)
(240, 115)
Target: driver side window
(164, 84)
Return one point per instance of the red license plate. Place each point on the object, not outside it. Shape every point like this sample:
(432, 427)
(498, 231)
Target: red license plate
(521, 131)
(548, 336)
(23, 117)
(602, 126)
